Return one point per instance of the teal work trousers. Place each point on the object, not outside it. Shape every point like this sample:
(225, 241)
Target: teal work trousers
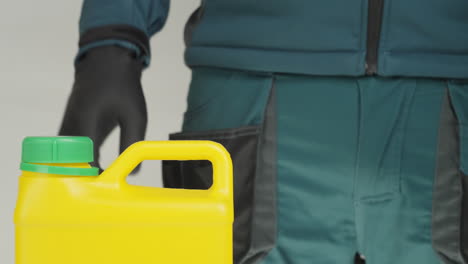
(329, 167)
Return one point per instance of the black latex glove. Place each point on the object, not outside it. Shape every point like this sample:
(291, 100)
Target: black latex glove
(107, 93)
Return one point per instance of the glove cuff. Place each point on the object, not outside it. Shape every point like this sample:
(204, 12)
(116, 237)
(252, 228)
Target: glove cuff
(117, 32)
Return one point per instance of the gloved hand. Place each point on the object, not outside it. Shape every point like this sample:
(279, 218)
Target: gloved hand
(107, 93)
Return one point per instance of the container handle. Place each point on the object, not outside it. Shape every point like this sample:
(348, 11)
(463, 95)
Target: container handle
(174, 150)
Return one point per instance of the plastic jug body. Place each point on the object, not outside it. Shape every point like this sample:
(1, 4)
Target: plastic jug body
(102, 219)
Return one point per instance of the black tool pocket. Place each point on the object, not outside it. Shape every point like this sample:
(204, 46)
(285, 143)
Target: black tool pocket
(459, 97)
(450, 201)
(242, 144)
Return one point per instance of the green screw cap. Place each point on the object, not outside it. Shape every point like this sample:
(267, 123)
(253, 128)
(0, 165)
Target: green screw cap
(58, 150)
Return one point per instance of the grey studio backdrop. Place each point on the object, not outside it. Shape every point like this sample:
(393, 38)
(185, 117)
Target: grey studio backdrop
(38, 42)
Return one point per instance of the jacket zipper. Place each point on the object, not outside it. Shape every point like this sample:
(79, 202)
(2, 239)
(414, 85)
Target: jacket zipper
(374, 28)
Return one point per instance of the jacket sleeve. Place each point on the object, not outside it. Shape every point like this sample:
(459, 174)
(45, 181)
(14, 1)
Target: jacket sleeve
(126, 23)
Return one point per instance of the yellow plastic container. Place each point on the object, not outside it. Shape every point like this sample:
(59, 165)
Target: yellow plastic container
(67, 219)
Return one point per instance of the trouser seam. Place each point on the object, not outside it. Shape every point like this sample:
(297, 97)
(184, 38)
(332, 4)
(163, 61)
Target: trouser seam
(356, 165)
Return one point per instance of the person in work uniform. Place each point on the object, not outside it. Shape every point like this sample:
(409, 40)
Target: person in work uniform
(347, 121)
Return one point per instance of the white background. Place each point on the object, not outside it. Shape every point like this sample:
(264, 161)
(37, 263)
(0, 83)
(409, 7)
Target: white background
(38, 42)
